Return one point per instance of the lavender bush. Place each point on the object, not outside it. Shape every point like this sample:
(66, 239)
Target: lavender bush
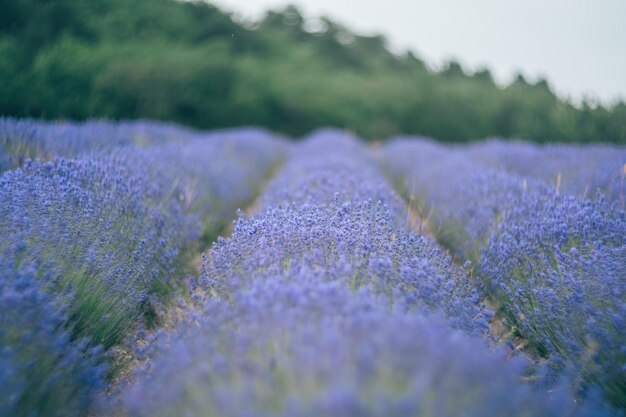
(313, 310)
(347, 237)
(461, 200)
(555, 262)
(558, 264)
(42, 370)
(325, 300)
(111, 226)
(99, 236)
(465, 191)
(581, 170)
(22, 139)
(89, 227)
(312, 348)
(213, 174)
(324, 163)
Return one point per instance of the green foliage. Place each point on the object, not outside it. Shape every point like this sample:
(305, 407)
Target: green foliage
(190, 63)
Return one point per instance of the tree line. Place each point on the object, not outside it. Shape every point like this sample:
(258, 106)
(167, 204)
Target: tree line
(191, 63)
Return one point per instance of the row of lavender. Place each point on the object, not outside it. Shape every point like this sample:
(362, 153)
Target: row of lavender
(327, 303)
(571, 169)
(546, 232)
(22, 139)
(88, 245)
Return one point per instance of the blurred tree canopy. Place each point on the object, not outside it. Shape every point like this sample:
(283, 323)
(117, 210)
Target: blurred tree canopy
(190, 63)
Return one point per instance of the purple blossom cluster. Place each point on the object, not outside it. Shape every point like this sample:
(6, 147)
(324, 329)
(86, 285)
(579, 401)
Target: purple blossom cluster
(558, 265)
(581, 170)
(338, 219)
(42, 370)
(331, 305)
(325, 300)
(460, 200)
(99, 235)
(314, 174)
(90, 226)
(554, 262)
(213, 174)
(22, 139)
(305, 347)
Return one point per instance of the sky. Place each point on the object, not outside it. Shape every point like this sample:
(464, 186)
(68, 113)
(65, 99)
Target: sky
(579, 46)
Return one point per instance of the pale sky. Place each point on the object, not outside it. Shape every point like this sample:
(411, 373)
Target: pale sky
(578, 45)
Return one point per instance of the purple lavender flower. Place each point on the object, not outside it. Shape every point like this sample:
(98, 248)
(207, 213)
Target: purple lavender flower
(554, 261)
(319, 217)
(460, 200)
(31, 139)
(99, 236)
(581, 170)
(558, 264)
(306, 347)
(110, 227)
(88, 227)
(42, 370)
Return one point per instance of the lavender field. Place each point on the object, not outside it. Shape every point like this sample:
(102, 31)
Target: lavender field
(147, 269)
